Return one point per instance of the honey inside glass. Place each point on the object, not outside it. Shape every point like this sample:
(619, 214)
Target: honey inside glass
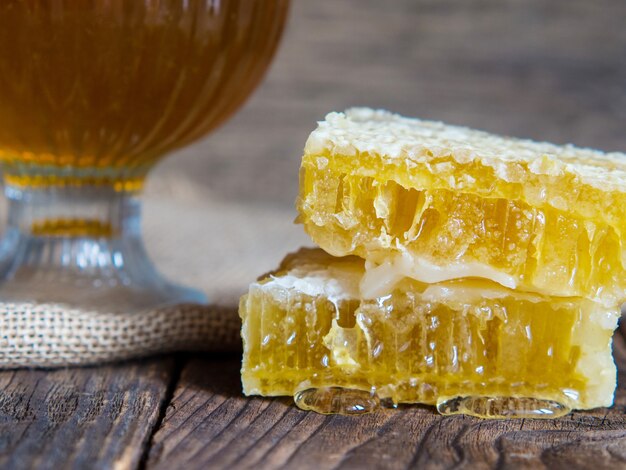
(92, 94)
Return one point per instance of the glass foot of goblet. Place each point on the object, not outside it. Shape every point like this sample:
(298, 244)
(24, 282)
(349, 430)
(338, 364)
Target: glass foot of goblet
(82, 247)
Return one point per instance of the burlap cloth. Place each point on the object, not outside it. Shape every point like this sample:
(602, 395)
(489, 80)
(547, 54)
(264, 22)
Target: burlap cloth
(196, 239)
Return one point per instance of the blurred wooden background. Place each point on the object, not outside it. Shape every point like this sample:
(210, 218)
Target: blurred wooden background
(544, 69)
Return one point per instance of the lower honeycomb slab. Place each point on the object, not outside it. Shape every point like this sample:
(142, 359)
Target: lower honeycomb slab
(466, 346)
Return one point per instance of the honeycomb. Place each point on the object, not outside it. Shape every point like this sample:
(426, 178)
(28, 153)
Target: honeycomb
(452, 202)
(304, 327)
(455, 268)
(444, 234)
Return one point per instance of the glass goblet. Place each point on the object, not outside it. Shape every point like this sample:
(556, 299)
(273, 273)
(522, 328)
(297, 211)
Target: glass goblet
(92, 95)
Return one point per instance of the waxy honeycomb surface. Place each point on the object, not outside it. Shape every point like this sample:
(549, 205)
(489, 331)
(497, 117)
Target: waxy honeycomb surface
(303, 328)
(532, 216)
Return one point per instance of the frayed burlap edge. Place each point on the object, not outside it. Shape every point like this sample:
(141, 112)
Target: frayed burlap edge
(49, 335)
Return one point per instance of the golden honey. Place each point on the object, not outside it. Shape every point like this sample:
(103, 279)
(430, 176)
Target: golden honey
(461, 234)
(456, 268)
(94, 92)
(450, 202)
(304, 328)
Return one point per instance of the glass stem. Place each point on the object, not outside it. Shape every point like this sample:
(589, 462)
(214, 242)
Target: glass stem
(80, 246)
(74, 211)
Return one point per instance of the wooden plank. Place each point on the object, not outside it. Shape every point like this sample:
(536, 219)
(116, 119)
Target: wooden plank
(209, 424)
(92, 417)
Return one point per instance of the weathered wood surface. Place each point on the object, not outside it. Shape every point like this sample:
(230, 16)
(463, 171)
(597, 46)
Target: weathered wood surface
(92, 418)
(145, 414)
(208, 424)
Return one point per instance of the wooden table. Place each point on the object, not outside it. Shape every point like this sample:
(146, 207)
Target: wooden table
(547, 69)
(188, 412)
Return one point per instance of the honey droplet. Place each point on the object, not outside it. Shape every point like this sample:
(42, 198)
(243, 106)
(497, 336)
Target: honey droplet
(503, 407)
(337, 400)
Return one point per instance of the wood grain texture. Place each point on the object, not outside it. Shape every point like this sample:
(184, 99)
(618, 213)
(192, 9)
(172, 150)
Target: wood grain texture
(95, 417)
(208, 424)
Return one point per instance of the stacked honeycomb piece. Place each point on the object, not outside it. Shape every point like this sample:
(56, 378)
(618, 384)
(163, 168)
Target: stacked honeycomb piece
(456, 268)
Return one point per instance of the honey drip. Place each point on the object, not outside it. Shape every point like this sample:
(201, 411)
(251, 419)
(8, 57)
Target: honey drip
(503, 407)
(337, 400)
